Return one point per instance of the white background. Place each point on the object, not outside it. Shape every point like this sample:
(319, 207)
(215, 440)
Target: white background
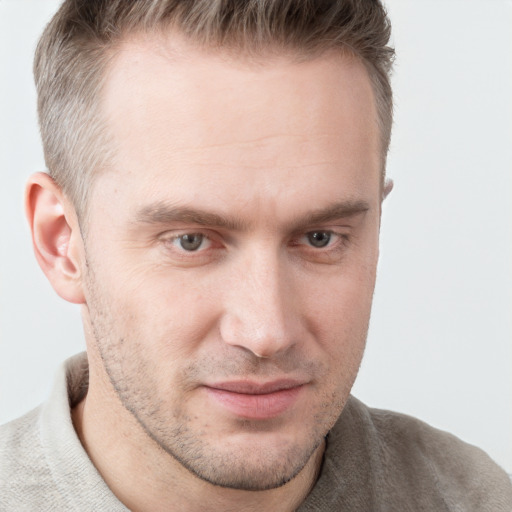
(440, 343)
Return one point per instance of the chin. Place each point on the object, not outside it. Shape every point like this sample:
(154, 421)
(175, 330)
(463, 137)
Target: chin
(254, 460)
(257, 470)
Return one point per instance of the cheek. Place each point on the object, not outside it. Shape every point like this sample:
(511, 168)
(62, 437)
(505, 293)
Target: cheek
(170, 315)
(338, 313)
(343, 297)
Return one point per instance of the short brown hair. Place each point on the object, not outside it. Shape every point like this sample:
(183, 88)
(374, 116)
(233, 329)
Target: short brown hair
(72, 53)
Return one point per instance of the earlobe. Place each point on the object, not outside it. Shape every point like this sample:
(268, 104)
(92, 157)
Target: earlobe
(56, 236)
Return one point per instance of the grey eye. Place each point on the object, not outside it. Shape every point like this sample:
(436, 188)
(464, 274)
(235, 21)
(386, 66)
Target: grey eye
(319, 239)
(191, 241)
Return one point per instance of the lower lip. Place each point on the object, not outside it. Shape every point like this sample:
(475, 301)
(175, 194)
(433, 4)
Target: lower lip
(256, 407)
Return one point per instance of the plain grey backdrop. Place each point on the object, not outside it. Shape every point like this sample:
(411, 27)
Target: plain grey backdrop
(440, 342)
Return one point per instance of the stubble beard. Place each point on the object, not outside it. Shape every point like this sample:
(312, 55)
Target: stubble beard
(252, 468)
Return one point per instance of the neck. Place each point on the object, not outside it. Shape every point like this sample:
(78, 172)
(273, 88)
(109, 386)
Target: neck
(146, 478)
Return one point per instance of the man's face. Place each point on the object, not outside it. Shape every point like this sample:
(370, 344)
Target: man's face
(232, 251)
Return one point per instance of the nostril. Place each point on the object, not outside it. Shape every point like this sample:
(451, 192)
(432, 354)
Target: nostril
(260, 356)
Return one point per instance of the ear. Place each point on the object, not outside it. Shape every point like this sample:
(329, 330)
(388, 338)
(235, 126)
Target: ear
(388, 187)
(56, 236)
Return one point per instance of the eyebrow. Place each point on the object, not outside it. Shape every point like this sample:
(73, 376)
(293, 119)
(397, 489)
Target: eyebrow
(162, 213)
(336, 211)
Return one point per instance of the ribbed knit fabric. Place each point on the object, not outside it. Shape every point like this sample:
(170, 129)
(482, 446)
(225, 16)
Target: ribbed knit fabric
(375, 461)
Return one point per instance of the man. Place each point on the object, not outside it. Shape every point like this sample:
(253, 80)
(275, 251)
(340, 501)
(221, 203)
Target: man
(213, 204)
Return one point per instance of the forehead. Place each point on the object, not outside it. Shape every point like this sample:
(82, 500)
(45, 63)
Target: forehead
(147, 71)
(182, 116)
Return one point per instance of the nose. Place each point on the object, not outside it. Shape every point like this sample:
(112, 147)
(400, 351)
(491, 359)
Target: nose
(260, 311)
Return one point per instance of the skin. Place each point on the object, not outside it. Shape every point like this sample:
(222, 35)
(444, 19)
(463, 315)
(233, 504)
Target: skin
(261, 161)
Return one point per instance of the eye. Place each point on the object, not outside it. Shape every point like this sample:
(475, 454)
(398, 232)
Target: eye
(191, 242)
(319, 239)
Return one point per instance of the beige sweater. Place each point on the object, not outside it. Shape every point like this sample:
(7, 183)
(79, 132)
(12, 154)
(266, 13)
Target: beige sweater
(375, 461)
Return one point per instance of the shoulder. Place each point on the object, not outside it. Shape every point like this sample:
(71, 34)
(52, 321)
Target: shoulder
(43, 465)
(409, 457)
(23, 468)
(406, 437)
(20, 447)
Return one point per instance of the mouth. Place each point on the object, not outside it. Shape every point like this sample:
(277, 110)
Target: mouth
(257, 401)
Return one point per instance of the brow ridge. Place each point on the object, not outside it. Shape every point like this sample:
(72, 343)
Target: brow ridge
(162, 213)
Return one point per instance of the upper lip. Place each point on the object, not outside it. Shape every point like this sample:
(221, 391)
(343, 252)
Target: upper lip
(248, 387)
